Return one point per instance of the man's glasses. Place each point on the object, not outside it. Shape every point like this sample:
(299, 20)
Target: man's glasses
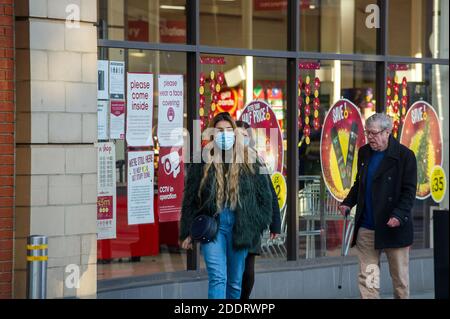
(372, 133)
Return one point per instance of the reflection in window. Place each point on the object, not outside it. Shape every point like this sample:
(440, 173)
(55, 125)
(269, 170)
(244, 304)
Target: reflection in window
(336, 27)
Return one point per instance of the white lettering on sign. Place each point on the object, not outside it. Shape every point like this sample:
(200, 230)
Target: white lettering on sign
(338, 114)
(417, 114)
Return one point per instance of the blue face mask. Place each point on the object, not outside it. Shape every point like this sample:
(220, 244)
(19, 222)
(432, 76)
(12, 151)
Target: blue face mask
(224, 140)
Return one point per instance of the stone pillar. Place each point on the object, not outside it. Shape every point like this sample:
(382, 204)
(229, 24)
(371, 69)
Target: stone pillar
(56, 132)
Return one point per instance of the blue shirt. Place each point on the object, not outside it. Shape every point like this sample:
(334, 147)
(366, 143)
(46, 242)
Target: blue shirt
(374, 163)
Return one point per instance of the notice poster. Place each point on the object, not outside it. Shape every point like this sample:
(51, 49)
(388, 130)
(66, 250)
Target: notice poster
(102, 79)
(342, 136)
(117, 80)
(140, 188)
(170, 183)
(170, 110)
(421, 133)
(106, 191)
(269, 141)
(102, 120)
(117, 119)
(139, 109)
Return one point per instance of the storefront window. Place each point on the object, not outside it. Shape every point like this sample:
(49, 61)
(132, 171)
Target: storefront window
(418, 102)
(338, 26)
(247, 79)
(418, 28)
(141, 248)
(146, 21)
(249, 24)
(353, 83)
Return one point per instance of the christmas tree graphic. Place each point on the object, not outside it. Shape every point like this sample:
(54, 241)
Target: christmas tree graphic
(422, 157)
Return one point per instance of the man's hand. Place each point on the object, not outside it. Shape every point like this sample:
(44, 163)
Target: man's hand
(393, 222)
(273, 236)
(187, 243)
(344, 209)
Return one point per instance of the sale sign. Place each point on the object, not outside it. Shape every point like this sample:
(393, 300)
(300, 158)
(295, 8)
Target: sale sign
(139, 109)
(268, 139)
(421, 133)
(170, 183)
(170, 110)
(342, 136)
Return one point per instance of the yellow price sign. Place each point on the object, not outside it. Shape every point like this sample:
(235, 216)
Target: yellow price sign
(438, 184)
(279, 184)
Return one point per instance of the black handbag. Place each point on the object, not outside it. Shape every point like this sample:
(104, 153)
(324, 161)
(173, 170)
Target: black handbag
(204, 228)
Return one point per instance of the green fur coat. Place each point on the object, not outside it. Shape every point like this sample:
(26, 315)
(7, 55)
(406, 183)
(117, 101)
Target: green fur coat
(253, 213)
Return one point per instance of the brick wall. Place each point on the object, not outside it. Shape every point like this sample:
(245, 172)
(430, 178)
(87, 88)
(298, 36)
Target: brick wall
(7, 150)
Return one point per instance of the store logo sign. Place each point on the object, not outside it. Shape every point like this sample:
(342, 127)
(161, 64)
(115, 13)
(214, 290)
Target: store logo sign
(73, 277)
(73, 16)
(373, 19)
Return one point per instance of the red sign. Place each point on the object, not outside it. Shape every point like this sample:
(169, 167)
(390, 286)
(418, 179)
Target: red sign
(421, 133)
(170, 183)
(260, 116)
(172, 31)
(342, 136)
(228, 102)
(276, 5)
(398, 67)
(138, 30)
(309, 65)
(212, 60)
(104, 207)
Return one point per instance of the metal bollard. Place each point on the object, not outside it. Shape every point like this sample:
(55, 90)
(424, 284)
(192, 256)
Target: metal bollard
(37, 257)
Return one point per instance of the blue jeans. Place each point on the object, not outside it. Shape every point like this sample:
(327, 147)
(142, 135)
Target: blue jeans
(225, 265)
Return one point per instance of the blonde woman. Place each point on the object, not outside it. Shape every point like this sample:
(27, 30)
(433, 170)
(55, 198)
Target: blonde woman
(231, 184)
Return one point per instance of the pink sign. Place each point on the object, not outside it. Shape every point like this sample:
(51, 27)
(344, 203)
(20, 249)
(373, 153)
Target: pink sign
(269, 141)
(170, 183)
(104, 207)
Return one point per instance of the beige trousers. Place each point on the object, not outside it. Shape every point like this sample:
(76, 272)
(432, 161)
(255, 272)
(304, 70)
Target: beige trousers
(369, 263)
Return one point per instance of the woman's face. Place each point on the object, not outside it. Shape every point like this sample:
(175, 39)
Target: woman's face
(224, 126)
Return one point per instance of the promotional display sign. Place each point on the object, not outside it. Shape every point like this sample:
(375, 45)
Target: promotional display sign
(342, 136)
(170, 110)
(102, 79)
(279, 184)
(268, 139)
(106, 191)
(438, 184)
(117, 80)
(170, 183)
(102, 120)
(421, 133)
(140, 188)
(139, 109)
(117, 119)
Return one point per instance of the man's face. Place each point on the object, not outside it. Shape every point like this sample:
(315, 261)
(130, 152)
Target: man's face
(377, 137)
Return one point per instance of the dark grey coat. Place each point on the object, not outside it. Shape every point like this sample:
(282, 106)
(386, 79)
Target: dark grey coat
(253, 212)
(394, 191)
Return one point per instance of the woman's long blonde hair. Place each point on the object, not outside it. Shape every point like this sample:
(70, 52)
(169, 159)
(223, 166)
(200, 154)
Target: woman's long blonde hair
(227, 185)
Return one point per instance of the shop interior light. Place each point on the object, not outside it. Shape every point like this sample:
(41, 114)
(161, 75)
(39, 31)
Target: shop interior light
(137, 54)
(168, 7)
